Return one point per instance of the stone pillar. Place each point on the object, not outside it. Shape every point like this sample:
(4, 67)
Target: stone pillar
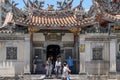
(88, 51)
(82, 63)
(27, 55)
(82, 55)
(1, 52)
(0, 13)
(113, 56)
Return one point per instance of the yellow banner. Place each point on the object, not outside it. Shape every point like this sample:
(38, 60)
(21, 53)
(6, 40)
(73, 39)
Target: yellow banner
(82, 47)
(117, 27)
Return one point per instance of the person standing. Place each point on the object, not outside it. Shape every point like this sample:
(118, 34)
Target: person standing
(58, 66)
(66, 71)
(51, 57)
(70, 63)
(48, 67)
(53, 63)
(35, 61)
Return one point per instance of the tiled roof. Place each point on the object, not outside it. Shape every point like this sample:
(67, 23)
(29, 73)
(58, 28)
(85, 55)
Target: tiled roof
(117, 16)
(63, 21)
(56, 21)
(49, 21)
(112, 18)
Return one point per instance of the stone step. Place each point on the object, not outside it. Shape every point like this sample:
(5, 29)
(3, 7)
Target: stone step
(52, 79)
(42, 77)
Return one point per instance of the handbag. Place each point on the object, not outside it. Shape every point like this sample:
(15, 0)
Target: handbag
(46, 67)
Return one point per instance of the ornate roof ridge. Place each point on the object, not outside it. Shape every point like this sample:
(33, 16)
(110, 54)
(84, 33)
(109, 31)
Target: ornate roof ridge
(62, 5)
(61, 18)
(109, 6)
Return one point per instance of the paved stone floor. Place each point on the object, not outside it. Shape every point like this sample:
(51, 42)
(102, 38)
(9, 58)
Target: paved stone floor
(73, 77)
(33, 77)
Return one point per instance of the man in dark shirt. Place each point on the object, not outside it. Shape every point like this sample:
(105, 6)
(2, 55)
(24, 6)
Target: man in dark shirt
(35, 63)
(53, 63)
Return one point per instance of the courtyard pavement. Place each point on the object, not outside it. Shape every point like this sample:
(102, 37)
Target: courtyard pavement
(73, 77)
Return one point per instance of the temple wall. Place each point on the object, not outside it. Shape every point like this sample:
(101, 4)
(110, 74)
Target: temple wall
(38, 37)
(68, 37)
(23, 51)
(103, 66)
(87, 64)
(41, 37)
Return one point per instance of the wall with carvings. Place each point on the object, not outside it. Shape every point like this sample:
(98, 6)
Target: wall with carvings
(90, 41)
(14, 52)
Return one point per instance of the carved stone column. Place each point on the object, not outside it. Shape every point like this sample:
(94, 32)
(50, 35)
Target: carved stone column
(0, 13)
(27, 55)
(113, 55)
(82, 54)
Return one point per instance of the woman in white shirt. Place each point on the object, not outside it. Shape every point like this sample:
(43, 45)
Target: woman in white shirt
(58, 67)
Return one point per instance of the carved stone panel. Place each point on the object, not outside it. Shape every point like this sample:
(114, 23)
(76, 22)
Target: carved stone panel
(97, 53)
(11, 53)
(53, 37)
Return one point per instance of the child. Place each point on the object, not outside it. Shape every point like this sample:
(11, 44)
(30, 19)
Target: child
(66, 71)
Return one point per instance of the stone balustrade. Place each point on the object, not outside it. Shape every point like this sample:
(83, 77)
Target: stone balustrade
(7, 69)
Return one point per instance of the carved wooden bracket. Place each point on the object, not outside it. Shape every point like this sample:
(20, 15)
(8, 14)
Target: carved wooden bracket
(76, 31)
(116, 27)
(33, 29)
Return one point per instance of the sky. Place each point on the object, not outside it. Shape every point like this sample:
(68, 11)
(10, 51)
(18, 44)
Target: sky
(86, 3)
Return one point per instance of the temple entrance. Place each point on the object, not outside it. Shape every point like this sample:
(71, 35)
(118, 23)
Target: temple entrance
(53, 50)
